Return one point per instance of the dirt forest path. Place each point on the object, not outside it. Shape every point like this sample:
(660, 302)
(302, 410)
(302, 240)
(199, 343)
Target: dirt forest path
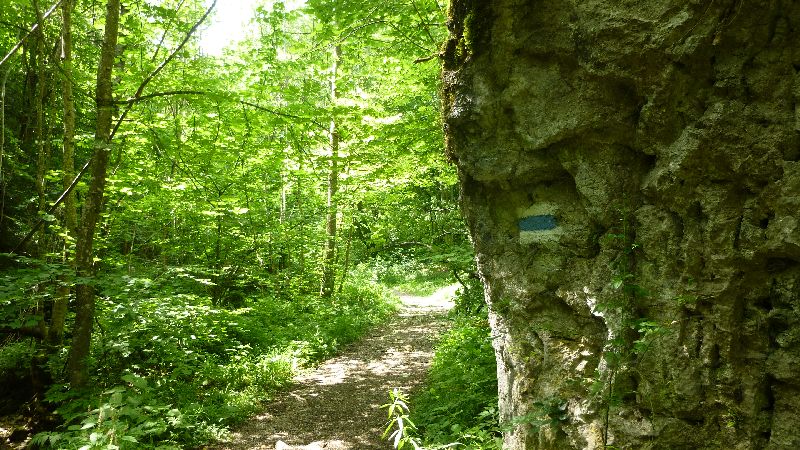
(337, 405)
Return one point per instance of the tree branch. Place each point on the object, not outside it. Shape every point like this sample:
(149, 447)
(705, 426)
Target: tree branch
(159, 94)
(166, 31)
(282, 114)
(426, 58)
(160, 67)
(52, 208)
(422, 22)
(32, 30)
(222, 96)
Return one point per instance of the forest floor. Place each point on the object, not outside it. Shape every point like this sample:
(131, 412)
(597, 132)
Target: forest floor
(337, 406)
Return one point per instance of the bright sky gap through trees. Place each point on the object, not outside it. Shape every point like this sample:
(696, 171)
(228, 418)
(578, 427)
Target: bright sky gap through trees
(230, 22)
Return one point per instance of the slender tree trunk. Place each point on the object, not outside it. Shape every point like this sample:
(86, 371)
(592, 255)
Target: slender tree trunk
(284, 183)
(329, 254)
(348, 245)
(56, 332)
(39, 134)
(84, 294)
(301, 214)
(39, 378)
(3, 143)
(218, 289)
(27, 119)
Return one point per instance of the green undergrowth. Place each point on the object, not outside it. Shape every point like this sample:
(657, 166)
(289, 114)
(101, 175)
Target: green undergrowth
(176, 371)
(408, 276)
(459, 402)
(419, 274)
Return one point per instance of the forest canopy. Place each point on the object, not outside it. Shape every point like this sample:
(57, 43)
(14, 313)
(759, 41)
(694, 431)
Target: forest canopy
(173, 221)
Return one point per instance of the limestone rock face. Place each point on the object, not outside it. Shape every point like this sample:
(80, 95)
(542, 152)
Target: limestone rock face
(630, 175)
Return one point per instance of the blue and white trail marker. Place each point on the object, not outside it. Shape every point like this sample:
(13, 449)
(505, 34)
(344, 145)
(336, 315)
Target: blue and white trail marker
(539, 224)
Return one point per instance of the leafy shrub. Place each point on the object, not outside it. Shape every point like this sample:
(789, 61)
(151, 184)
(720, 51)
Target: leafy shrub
(15, 358)
(459, 404)
(470, 300)
(15, 368)
(190, 369)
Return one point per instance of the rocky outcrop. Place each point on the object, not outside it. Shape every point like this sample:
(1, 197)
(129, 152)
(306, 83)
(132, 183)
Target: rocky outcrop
(630, 177)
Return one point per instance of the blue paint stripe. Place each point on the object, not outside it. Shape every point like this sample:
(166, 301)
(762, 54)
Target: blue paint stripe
(538, 223)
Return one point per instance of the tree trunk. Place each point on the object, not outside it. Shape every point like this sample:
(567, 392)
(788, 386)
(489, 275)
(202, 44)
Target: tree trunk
(329, 254)
(39, 131)
(56, 332)
(284, 189)
(346, 262)
(630, 178)
(84, 293)
(27, 118)
(3, 145)
(39, 377)
(300, 205)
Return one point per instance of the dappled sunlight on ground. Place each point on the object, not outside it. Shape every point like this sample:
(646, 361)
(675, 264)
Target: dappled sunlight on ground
(439, 300)
(338, 405)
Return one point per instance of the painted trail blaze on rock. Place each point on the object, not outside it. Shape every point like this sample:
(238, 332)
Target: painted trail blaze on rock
(538, 223)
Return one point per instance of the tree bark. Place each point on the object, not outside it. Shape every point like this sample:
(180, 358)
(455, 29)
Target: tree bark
(329, 253)
(346, 262)
(3, 144)
(56, 331)
(39, 377)
(85, 299)
(39, 133)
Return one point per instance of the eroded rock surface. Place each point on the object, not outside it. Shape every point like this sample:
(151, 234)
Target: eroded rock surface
(631, 180)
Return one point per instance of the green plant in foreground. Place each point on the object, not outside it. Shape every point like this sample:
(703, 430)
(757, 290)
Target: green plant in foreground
(127, 417)
(176, 372)
(632, 333)
(398, 417)
(459, 403)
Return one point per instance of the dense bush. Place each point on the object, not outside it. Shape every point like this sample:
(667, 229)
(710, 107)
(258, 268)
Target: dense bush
(15, 368)
(459, 403)
(176, 371)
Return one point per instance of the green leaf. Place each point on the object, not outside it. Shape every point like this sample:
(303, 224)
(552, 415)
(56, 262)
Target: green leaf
(135, 380)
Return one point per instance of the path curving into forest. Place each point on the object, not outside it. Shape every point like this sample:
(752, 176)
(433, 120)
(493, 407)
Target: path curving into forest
(337, 405)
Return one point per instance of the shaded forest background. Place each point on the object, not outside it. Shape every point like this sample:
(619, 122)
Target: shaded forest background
(235, 219)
